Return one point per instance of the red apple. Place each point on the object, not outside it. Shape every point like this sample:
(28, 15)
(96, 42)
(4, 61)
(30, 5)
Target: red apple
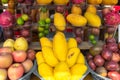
(6, 50)
(31, 54)
(15, 71)
(19, 55)
(5, 60)
(27, 64)
(3, 74)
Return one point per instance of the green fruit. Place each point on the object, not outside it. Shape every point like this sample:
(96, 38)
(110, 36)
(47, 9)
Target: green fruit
(41, 34)
(25, 17)
(4, 1)
(47, 26)
(41, 22)
(94, 42)
(40, 29)
(46, 32)
(20, 21)
(48, 20)
(91, 37)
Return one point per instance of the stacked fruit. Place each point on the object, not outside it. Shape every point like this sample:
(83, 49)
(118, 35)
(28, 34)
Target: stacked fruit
(16, 59)
(60, 59)
(104, 60)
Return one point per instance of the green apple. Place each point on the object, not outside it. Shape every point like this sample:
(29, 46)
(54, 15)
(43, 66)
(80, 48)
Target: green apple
(41, 23)
(25, 17)
(40, 29)
(47, 26)
(20, 21)
(46, 32)
(91, 37)
(48, 20)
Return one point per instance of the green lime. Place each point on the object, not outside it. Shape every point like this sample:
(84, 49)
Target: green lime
(94, 42)
(91, 37)
(25, 17)
(47, 26)
(46, 32)
(41, 22)
(4, 1)
(40, 29)
(20, 21)
(48, 20)
(41, 34)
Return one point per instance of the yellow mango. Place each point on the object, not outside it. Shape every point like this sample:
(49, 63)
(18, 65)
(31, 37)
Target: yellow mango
(39, 57)
(45, 71)
(49, 56)
(72, 43)
(109, 2)
(72, 56)
(76, 9)
(44, 41)
(81, 58)
(77, 71)
(60, 46)
(59, 21)
(61, 71)
(93, 19)
(44, 2)
(76, 20)
(94, 2)
(92, 9)
(60, 2)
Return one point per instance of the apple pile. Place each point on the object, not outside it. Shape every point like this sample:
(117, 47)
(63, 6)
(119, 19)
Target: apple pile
(105, 60)
(15, 64)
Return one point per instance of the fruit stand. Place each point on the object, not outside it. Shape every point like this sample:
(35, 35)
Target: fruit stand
(59, 39)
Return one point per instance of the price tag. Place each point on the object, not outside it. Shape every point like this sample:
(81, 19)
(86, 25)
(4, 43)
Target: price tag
(118, 33)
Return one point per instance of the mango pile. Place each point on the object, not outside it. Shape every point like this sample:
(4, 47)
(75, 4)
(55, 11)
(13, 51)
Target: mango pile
(60, 59)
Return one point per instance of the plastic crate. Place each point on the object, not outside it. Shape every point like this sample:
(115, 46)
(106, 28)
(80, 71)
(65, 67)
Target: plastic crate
(27, 76)
(37, 74)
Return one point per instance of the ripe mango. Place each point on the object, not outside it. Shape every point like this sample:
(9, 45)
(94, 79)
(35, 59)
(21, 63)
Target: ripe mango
(76, 9)
(92, 9)
(72, 43)
(81, 58)
(72, 56)
(60, 46)
(59, 21)
(94, 2)
(109, 2)
(49, 57)
(45, 71)
(44, 2)
(44, 41)
(61, 71)
(39, 57)
(77, 71)
(60, 2)
(93, 19)
(21, 44)
(76, 20)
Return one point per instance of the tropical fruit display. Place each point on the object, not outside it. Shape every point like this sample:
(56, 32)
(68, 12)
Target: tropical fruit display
(60, 59)
(16, 59)
(104, 60)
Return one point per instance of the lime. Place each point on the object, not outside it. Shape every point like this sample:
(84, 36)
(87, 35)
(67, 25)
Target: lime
(91, 37)
(40, 29)
(47, 26)
(94, 42)
(48, 20)
(46, 32)
(41, 22)
(20, 21)
(25, 17)
(41, 34)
